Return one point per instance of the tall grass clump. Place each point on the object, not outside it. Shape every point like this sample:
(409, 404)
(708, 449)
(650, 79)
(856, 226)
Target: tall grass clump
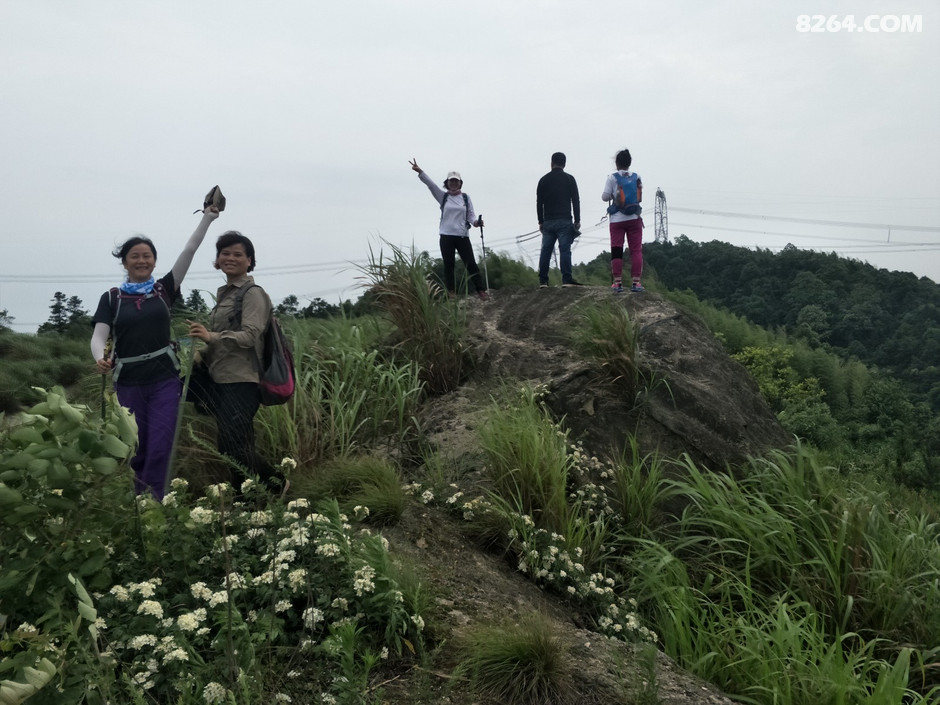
(430, 326)
(781, 586)
(522, 663)
(527, 459)
(367, 487)
(609, 337)
(348, 399)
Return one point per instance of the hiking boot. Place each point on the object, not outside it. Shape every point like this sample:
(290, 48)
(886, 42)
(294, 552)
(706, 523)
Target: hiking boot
(637, 288)
(571, 283)
(483, 295)
(543, 285)
(616, 287)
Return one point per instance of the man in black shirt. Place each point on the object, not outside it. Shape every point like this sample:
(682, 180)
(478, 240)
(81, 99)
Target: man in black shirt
(555, 198)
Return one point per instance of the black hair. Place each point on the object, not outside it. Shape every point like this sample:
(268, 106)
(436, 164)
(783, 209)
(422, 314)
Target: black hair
(233, 237)
(121, 252)
(623, 160)
(559, 159)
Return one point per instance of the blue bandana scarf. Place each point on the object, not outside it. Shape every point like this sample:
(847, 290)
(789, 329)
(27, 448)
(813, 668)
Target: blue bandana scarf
(129, 287)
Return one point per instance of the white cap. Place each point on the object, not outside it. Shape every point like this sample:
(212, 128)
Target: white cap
(453, 175)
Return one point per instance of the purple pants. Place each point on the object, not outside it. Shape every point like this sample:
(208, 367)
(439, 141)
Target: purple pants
(155, 407)
(632, 231)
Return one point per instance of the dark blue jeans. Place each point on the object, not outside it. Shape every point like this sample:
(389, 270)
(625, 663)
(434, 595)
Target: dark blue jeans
(562, 232)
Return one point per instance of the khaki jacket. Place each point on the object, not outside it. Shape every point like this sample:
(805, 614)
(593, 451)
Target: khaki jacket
(232, 354)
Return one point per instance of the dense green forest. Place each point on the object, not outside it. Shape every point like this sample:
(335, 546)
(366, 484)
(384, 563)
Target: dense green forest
(888, 320)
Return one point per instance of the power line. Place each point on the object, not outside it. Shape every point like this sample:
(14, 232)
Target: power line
(811, 221)
(809, 237)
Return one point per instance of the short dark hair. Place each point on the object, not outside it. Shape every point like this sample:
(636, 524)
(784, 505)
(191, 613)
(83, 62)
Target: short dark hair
(233, 237)
(623, 160)
(559, 159)
(121, 252)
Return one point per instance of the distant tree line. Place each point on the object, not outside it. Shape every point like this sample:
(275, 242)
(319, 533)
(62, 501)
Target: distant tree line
(888, 320)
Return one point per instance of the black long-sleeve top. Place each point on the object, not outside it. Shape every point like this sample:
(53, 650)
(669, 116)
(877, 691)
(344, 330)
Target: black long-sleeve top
(556, 196)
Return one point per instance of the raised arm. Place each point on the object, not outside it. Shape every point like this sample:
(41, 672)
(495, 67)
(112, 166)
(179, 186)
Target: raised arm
(181, 266)
(435, 190)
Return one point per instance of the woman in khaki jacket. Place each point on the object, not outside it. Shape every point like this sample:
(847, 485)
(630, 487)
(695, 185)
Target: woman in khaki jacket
(225, 378)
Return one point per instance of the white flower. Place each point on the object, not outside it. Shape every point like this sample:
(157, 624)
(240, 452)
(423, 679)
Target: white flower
(151, 607)
(178, 483)
(200, 591)
(187, 622)
(214, 693)
(297, 578)
(288, 463)
(418, 621)
(360, 512)
(27, 628)
(300, 503)
(282, 606)
(328, 549)
(201, 515)
(312, 616)
(247, 484)
(427, 496)
(176, 655)
(141, 641)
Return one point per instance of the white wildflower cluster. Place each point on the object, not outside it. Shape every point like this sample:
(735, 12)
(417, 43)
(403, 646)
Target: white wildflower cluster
(218, 491)
(544, 556)
(202, 516)
(151, 607)
(363, 580)
(215, 693)
(261, 518)
(288, 464)
(276, 556)
(312, 617)
(427, 496)
(178, 484)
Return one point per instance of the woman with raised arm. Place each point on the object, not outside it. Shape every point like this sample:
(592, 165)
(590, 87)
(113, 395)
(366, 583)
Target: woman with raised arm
(457, 216)
(143, 363)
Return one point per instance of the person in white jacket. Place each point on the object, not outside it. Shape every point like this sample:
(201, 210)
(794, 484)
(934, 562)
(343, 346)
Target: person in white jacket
(457, 216)
(625, 224)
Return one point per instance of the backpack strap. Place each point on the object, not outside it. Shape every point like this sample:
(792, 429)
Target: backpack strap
(466, 205)
(116, 298)
(235, 319)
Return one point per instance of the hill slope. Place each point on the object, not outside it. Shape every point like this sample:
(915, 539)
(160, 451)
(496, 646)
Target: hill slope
(709, 408)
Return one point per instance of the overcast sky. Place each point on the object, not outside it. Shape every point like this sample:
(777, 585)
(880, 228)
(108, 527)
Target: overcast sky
(117, 118)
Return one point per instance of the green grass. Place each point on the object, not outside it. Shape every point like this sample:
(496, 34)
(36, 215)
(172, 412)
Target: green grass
(520, 663)
(430, 326)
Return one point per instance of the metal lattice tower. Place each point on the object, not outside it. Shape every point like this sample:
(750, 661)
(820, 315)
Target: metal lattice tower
(661, 217)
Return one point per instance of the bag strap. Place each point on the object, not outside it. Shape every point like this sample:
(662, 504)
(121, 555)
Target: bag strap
(466, 205)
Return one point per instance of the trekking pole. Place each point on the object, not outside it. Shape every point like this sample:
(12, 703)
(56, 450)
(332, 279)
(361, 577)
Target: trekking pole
(179, 412)
(486, 274)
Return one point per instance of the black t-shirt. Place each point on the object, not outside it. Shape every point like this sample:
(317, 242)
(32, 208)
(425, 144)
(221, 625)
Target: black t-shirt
(142, 326)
